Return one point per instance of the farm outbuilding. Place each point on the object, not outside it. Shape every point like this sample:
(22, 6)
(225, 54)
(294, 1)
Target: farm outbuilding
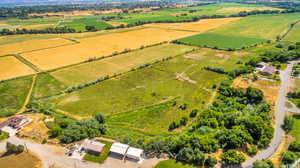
(134, 153)
(92, 146)
(119, 148)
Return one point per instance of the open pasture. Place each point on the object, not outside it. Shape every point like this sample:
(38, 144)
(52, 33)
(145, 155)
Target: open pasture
(11, 67)
(79, 24)
(122, 63)
(128, 98)
(99, 46)
(221, 41)
(199, 26)
(31, 45)
(13, 93)
(259, 26)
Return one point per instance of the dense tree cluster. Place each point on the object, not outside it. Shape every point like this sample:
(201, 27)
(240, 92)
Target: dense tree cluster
(68, 131)
(50, 30)
(237, 119)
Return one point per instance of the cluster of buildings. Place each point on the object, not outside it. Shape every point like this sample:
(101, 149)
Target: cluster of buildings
(14, 124)
(265, 69)
(117, 149)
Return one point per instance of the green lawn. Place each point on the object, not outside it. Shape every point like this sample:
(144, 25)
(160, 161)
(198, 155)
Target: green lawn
(13, 93)
(79, 23)
(46, 86)
(3, 135)
(118, 64)
(259, 26)
(172, 164)
(221, 41)
(99, 158)
(296, 129)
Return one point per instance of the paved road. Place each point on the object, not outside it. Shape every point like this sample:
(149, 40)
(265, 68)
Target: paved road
(279, 118)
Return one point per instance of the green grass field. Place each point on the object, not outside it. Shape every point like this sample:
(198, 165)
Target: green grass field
(296, 131)
(118, 64)
(185, 13)
(221, 41)
(13, 93)
(46, 86)
(138, 103)
(259, 26)
(172, 164)
(79, 23)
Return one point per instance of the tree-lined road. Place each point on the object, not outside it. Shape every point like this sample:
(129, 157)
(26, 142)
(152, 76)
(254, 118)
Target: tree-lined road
(279, 119)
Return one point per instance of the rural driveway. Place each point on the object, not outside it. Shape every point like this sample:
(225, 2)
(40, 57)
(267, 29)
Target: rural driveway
(55, 155)
(279, 118)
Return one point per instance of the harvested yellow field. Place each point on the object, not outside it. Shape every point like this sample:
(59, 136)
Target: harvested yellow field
(30, 45)
(3, 24)
(10, 67)
(199, 26)
(101, 46)
(247, 9)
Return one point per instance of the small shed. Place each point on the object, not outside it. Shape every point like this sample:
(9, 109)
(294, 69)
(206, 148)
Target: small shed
(134, 153)
(119, 148)
(93, 147)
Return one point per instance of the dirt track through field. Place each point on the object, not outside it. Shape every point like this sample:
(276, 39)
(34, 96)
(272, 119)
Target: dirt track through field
(31, 45)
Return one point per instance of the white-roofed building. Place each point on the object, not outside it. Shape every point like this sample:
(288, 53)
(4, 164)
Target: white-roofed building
(92, 146)
(134, 153)
(119, 148)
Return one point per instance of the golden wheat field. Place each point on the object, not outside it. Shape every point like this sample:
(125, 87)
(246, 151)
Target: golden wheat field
(101, 46)
(239, 9)
(30, 45)
(10, 67)
(199, 26)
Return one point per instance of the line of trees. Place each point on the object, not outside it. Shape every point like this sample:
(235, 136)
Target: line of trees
(50, 30)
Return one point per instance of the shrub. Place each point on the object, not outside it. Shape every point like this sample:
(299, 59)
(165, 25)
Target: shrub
(232, 158)
(252, 150)
(183, 106)
(14, 149)
(289, 157)
(173, 126)
(183, 121)
(193, 113)
(263, 164)
(294, 146)
(288, 123)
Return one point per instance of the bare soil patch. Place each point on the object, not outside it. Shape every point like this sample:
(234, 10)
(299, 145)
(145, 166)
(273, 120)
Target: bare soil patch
(23, 160)
(11, 67)
(184, 77)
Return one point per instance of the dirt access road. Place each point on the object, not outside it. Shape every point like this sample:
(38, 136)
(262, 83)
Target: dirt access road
(279, 118)
(55, 155)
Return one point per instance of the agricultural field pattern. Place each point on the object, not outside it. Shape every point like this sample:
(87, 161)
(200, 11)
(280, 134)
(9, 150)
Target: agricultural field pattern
(181, 82)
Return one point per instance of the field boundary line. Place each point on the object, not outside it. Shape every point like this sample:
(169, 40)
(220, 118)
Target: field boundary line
(291, 27)
(28, 63)
(104, 57)
(29, 95)
(72, 43)
(173, 29)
